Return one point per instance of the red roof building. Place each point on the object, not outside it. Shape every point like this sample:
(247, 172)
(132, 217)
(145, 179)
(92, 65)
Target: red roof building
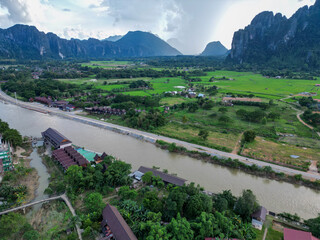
(291, 234)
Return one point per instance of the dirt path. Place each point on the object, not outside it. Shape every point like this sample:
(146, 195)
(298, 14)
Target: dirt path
(265, 233)
(313, 167)
(299, 113)
(238, 145)
(304, 123)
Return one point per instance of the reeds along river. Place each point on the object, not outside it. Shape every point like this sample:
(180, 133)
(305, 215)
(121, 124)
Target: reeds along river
(275, 196)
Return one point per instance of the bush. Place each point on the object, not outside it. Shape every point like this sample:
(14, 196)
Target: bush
(249, 136)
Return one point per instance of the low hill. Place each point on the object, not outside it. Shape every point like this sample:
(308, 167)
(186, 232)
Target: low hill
(215, 49)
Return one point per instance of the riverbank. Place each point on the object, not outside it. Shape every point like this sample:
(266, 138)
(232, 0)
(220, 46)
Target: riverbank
(27, 175)
(213, 177)
(265, 172)
(149, 137)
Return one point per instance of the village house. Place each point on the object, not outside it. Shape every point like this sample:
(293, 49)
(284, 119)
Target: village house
(43, 100)
(259, 217)
(114, 226)
(191, 95)
(166, 178)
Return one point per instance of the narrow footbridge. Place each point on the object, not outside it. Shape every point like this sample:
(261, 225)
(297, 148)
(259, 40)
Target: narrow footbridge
(63, 197)
(31, 204)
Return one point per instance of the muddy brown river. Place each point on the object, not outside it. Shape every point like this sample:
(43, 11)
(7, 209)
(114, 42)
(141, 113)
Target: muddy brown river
(275, 196)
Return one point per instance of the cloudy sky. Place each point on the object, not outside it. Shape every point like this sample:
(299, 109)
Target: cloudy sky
(189, 23)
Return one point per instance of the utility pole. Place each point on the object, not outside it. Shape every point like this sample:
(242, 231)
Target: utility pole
(15, 96)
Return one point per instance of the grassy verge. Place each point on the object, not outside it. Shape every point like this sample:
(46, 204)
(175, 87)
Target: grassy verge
(266, 172)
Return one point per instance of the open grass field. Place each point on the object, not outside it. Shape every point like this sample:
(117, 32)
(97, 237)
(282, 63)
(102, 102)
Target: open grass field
(302, 142)
(107, 64)
(244, 82)
(169, 101)
(210, 119)
(190, 134)
(241, 83)
(162, 85)
(280, 152)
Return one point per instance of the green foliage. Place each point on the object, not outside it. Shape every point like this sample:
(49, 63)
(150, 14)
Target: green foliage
(203, 133)
(12, 195)
(246, 205)
(117, 174)
(126, 193)
(152, 229)
(31, 235)
(298, 177)
(249, 136)
(223, 110)
(94, 203)
(145, 120)
(224, 201)
(314, 226)
(14, 225)
(93, 178)
(312, 118)
(152, 202)
(139, 84)
(290, 217)
(179, 229)
(10, 135)
(147, 177)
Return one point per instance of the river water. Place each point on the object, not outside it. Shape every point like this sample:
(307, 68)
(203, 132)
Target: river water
(36, 162)
(275, 196)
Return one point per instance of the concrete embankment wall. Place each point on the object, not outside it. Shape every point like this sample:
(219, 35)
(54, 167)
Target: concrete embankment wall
(86, 121)
(111, 128)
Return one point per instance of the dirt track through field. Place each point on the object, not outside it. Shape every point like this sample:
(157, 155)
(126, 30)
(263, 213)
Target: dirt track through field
(238, 145)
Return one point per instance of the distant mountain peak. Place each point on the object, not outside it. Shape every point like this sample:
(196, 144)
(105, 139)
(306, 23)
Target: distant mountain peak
(145, 41)
(215, 49)
(113, 38)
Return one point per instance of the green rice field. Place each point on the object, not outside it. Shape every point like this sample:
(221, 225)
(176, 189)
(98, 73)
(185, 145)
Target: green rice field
(241, 83)
(244, 82)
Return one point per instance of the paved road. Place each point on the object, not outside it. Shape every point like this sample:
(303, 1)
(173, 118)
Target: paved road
(63, 197)
(153, 137)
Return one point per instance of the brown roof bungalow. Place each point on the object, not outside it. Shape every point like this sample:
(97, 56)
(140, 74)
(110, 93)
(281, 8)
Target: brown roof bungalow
(114, 226)
(167, 178)
(68, 156)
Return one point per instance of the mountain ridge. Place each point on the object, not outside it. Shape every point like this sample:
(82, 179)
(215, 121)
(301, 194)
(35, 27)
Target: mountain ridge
(27, 42)
(274, 39)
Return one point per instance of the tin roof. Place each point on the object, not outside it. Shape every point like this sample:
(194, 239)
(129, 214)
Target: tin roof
(260, 214)
(56, 138)
(165, 177)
